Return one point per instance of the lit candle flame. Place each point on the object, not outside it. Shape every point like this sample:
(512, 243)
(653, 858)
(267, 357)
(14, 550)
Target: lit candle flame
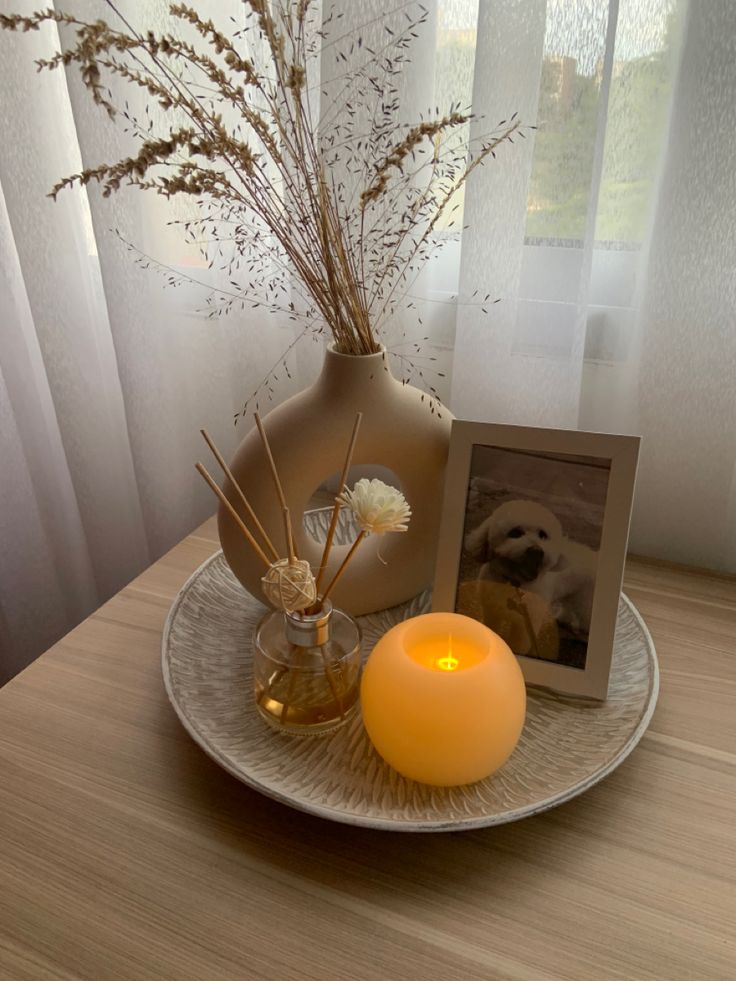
(449, 662)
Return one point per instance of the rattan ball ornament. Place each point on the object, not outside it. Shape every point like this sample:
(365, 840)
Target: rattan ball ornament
(289, 585)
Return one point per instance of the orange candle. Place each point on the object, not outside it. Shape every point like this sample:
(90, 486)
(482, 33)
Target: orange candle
(443, 699)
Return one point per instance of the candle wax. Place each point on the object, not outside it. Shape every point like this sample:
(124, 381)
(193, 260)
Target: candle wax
(443, 699)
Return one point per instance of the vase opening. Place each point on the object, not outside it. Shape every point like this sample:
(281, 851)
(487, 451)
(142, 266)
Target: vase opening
(334, 349)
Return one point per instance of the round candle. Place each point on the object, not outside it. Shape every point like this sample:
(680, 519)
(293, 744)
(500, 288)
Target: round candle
(443, 699)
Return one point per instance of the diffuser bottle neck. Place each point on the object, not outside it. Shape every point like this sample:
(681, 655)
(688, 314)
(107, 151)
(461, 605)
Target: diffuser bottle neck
(309, 629)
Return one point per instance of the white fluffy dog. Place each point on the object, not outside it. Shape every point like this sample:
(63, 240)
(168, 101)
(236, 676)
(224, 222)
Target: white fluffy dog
(522, 543)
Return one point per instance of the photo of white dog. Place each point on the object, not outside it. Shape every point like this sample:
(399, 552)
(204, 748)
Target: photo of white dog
(522, 544)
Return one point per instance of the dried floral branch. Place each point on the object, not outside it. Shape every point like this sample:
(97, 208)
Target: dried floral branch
(331, 216)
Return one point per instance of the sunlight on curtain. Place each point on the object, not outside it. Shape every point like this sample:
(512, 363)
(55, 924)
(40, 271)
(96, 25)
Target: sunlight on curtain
(614, 316)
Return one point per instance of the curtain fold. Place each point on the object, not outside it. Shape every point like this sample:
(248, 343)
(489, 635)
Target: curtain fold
(686, 498)
(608, 236)
(80, 516)
(46, 571)
(489, 380)
(108, 376)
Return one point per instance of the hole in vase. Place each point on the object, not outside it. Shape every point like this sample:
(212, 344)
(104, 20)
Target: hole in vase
(317, 518)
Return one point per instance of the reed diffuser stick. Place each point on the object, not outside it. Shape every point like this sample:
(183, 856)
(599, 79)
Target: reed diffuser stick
(345, 561)
(228, 473)
(289, 536)
(293, 671)
(233, 513)
(331, 683)
(277, 482)
(336, 508)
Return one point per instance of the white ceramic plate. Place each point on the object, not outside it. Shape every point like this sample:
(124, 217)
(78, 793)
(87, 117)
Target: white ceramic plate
(566, 747)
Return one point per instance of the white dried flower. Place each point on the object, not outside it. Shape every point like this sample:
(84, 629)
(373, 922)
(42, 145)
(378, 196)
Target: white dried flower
(377, 507)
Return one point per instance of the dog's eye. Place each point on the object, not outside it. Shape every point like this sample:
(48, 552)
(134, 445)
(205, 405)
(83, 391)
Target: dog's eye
(543, 534)
(516, 532)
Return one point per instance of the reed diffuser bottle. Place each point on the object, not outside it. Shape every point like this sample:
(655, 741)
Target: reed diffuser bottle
(306, 670)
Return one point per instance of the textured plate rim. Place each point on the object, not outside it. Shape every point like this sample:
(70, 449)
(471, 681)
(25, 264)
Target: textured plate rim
(392, 824)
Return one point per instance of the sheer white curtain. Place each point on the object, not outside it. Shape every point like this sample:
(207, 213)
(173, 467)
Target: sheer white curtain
(609, 236)
(611, 240)
(105, 376)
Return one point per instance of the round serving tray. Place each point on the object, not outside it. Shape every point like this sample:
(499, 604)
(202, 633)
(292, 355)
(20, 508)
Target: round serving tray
(567, 745)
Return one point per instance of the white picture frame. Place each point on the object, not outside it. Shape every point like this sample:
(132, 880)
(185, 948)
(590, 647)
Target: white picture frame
(533, 539)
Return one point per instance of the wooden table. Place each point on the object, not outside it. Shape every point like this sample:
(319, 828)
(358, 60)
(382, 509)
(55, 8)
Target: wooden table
(126, 853)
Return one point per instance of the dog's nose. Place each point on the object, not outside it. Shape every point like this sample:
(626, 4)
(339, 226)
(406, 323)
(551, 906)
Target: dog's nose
(534, 552)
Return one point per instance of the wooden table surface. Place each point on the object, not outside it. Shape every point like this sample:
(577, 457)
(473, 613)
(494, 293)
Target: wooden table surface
(126, 853)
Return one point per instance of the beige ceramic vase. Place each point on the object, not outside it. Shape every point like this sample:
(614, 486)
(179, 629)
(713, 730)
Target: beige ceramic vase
(309, 435)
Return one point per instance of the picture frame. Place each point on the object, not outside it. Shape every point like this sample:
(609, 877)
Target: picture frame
(533, 538)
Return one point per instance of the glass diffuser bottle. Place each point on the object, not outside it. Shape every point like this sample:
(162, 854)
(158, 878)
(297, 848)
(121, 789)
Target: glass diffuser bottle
(306, 669)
